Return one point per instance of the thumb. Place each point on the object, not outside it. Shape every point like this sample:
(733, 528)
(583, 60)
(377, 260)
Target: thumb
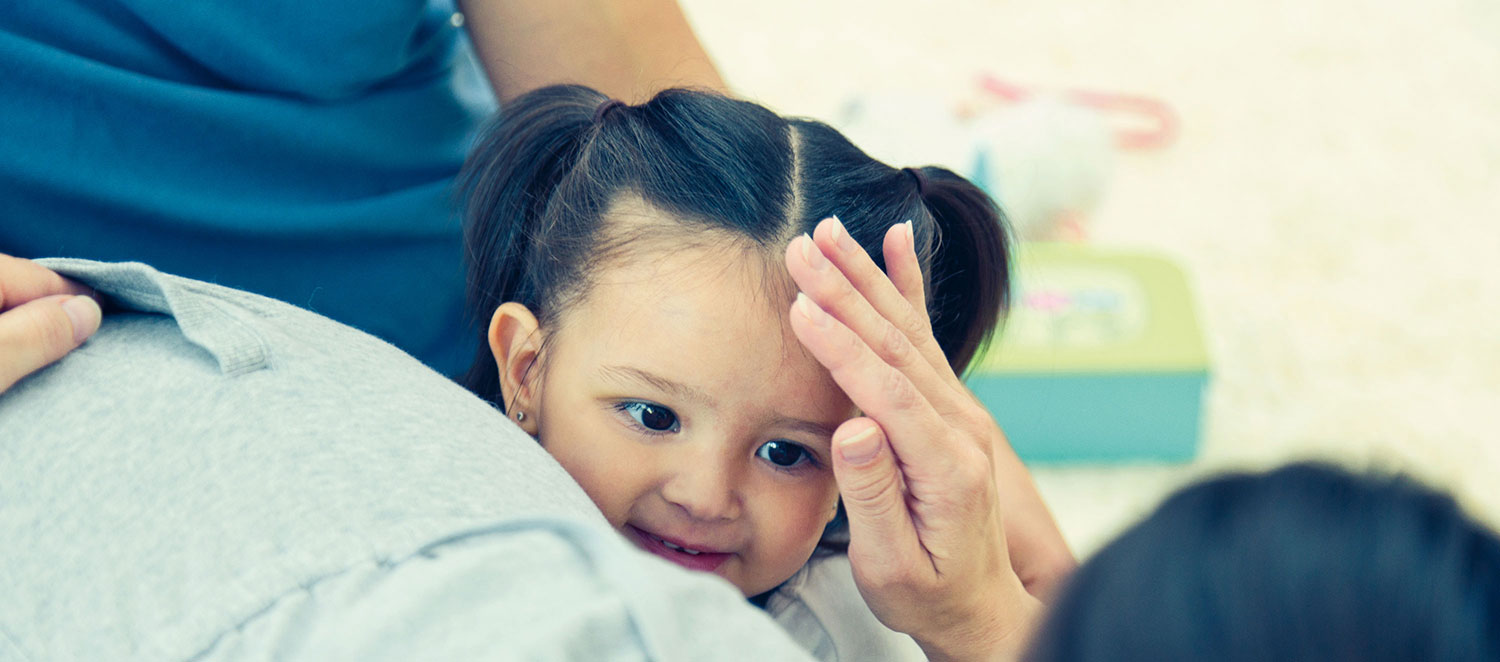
(882, 537)
(41, 331)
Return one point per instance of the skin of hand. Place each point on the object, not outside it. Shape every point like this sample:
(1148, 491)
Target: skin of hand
(627, 49)
(43, 316)
(917, 471)
(1038, 553)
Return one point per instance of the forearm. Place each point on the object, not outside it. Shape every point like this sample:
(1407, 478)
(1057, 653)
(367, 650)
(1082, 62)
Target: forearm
(627, 49)
(1037, 550)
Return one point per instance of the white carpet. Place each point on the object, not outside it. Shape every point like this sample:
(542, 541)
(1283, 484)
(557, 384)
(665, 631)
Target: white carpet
(1335, 193)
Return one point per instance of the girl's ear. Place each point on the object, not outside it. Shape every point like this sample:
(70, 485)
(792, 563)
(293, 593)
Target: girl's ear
(515, 341)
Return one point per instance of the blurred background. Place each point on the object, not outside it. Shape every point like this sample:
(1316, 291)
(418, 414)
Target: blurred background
(1331, 191)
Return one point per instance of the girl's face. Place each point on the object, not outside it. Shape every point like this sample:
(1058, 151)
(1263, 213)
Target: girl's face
(677, 396)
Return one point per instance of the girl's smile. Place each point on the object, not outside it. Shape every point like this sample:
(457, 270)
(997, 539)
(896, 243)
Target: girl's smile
(686, 554)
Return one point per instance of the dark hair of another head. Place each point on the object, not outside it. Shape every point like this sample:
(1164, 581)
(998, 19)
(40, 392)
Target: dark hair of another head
(543, 174)
(1306, 563)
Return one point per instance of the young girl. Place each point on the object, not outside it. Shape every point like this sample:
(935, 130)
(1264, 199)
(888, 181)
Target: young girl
(674, 320)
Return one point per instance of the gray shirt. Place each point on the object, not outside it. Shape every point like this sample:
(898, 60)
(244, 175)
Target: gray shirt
(220, 476)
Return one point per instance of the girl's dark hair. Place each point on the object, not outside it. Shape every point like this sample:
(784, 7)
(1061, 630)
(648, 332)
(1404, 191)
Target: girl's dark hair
(544, 173)
(1307, 562)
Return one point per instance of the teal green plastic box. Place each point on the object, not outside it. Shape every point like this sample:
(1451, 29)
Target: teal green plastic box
(1101, 360)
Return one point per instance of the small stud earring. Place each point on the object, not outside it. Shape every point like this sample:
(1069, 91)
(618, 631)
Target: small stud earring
(520, 416)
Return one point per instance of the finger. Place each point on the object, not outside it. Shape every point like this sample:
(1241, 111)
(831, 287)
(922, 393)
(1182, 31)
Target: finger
(905, 308)
(23, 280)
(905, 270)
(883, 539)
(906, 274)
(880, 391)
(36, 333)
(831, 290)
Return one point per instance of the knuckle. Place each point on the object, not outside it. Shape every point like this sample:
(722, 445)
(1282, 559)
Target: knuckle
(915, 323)
(830, 292)
(899, 391)
(895, 347)
(842, 296)
(972, 466)
(839, 350)
(975, 418)
(847, 351)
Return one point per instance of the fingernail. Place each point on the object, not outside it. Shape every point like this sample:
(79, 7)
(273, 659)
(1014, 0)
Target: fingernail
(911, 236)
(811, 311)
(813, 255)
(841, 236)
(84, 313)
(860, 448)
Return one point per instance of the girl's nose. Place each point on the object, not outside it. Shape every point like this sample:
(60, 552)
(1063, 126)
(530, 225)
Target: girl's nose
(705, 486)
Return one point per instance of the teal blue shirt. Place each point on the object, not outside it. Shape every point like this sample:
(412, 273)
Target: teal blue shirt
(301, 150)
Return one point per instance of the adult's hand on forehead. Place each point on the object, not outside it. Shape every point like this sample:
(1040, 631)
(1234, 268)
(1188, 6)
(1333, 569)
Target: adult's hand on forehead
(918, 471)
(43, 316)
(1037, 550)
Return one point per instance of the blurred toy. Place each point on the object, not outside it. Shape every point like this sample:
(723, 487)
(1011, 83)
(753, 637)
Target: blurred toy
(1101, 359)
(1048, 163)
(1046, 156)
(1139, 123)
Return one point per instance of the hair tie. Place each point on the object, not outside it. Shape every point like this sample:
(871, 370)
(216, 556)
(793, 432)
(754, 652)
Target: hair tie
(919, 178)
(604, 108)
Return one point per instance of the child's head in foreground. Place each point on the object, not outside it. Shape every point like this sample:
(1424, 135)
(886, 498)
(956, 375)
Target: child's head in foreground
(1306, 563)
(630, 261)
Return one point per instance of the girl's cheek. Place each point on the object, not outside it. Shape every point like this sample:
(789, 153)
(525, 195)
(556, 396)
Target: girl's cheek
(814, 506)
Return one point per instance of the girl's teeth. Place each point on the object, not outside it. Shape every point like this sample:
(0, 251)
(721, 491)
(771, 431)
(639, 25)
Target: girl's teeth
(680, 549)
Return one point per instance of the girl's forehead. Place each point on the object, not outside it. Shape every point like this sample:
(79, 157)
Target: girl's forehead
(633, 232)
(643, 247)
(711, 317)
(709, 289)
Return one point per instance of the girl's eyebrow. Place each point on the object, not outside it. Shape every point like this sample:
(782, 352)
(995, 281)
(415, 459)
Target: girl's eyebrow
(633, 374)
(680, 390)
(815, 429)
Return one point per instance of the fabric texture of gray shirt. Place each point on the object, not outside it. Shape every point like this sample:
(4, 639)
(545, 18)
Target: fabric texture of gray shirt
(220, 476)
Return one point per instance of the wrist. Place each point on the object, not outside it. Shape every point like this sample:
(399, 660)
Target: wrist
(999, 631)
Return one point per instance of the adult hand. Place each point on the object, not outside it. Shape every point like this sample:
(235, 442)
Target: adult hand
(917, 471)
(43, 316)
(1038, 553)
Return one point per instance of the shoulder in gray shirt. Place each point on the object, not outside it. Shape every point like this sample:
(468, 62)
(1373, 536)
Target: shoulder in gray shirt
(220, 476)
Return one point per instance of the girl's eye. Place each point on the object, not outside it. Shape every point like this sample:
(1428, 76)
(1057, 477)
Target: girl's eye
(784, 454)
(655, 418)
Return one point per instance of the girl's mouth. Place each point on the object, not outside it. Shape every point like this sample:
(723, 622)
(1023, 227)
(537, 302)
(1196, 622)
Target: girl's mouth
(683, 555)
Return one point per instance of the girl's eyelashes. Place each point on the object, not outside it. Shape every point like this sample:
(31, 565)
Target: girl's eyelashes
(785, 455)
(651, 417)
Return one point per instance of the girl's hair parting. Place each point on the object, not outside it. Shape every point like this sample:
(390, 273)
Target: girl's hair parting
(544, 173)
(1305, 563)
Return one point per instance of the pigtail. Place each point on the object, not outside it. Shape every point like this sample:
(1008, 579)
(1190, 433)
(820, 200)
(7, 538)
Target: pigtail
(969, 276)
(506, 184)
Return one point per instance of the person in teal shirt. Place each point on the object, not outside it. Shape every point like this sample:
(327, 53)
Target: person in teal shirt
(304, 151)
